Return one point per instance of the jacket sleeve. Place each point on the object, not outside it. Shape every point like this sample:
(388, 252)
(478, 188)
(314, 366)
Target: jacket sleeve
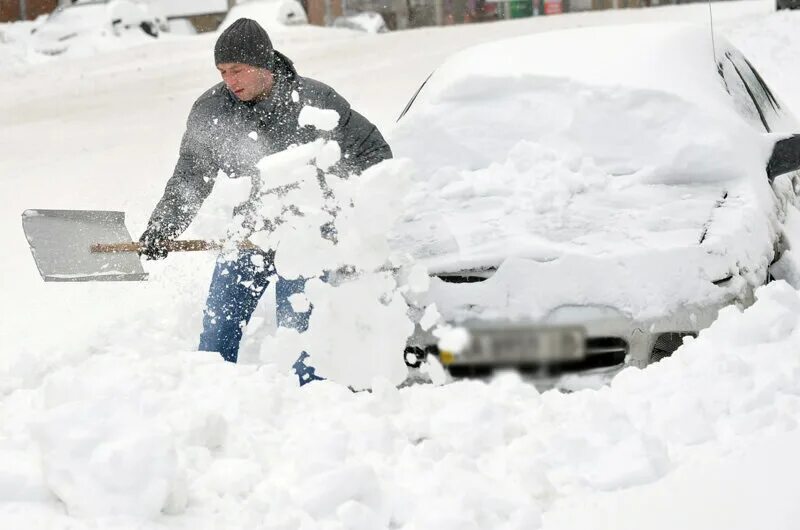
(191, 182)
(361, 142)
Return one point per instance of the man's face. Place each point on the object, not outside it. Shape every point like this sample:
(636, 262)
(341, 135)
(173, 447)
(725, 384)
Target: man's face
(247, 82)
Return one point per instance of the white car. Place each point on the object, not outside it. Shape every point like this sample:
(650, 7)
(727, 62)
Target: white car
(587, 198)
(88, 18)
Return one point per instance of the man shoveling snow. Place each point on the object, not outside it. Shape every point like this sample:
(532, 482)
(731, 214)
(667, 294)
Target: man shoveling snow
(253, 113)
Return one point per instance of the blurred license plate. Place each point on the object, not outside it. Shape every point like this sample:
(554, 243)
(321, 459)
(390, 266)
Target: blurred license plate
(514, 345)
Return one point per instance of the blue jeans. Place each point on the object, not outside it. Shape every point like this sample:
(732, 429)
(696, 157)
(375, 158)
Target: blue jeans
(236, 287)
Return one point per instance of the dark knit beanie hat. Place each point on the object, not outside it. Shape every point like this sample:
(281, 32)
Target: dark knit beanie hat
(246, 42)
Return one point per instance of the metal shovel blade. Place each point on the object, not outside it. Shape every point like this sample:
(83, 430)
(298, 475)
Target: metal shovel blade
(60, 242)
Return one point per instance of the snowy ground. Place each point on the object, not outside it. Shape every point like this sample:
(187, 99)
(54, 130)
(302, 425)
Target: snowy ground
(106, 410)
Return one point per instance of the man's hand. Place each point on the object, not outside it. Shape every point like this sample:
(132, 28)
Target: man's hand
(152, 245)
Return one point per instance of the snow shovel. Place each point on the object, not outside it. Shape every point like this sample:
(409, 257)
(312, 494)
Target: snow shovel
(92, 245)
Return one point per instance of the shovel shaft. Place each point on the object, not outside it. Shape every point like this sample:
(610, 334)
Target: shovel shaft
(185, 245)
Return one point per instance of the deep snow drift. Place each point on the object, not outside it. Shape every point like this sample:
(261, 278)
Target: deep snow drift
(134, 433)
(107, 411)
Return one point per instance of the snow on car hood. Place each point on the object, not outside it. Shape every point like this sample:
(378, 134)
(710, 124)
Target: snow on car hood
(580, 181)
(641, 287)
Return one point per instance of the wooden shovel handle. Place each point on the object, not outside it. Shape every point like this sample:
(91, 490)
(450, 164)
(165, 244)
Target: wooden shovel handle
(183, 245)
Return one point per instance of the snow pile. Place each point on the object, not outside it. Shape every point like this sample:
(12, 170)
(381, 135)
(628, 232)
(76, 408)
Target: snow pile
(747, 489)
(356, 334)
(788, 266)
(332, 231)
(124, 464)
(14, 51)
(219, 444)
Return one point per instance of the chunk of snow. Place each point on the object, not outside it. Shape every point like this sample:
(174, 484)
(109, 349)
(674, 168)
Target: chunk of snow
(258, 261)
(452, 339)
(330, 154)
(289, 166)
(430, 318)
(300, 303)
(418, 279)
(322, 119)
(434, 369)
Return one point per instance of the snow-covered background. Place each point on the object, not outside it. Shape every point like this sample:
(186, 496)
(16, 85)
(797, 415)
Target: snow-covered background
(110, 419)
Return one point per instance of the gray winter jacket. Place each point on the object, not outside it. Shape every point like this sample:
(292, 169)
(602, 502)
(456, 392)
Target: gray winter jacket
(224, 133)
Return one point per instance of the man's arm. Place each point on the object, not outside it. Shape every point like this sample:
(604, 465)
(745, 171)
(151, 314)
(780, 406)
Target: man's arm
(361, 142)
(191, 182)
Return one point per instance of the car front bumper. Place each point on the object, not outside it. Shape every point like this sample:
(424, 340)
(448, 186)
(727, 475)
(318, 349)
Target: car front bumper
(611, 339)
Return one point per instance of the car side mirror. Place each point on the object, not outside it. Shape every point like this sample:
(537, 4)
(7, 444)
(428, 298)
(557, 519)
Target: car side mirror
(785, 157)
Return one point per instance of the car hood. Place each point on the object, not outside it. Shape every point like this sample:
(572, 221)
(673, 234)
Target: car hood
(642, 259)
(640, 287)
(476, 226)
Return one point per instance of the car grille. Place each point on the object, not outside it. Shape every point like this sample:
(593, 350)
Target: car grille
(605, 351)
(667, 343)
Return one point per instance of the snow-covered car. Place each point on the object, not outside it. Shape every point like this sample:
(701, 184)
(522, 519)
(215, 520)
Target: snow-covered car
(86, 18)
(367, 21)
(588, 198)
(273, 15)
(291, 13)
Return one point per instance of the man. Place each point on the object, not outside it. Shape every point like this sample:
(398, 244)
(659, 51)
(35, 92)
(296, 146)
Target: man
(253, 113)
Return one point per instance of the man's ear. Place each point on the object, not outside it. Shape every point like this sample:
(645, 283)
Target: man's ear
(269, 78)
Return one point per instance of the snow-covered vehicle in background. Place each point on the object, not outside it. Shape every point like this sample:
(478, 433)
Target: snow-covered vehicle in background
(366, 21)
(585, 199)
(273, 15)
(85, 18)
